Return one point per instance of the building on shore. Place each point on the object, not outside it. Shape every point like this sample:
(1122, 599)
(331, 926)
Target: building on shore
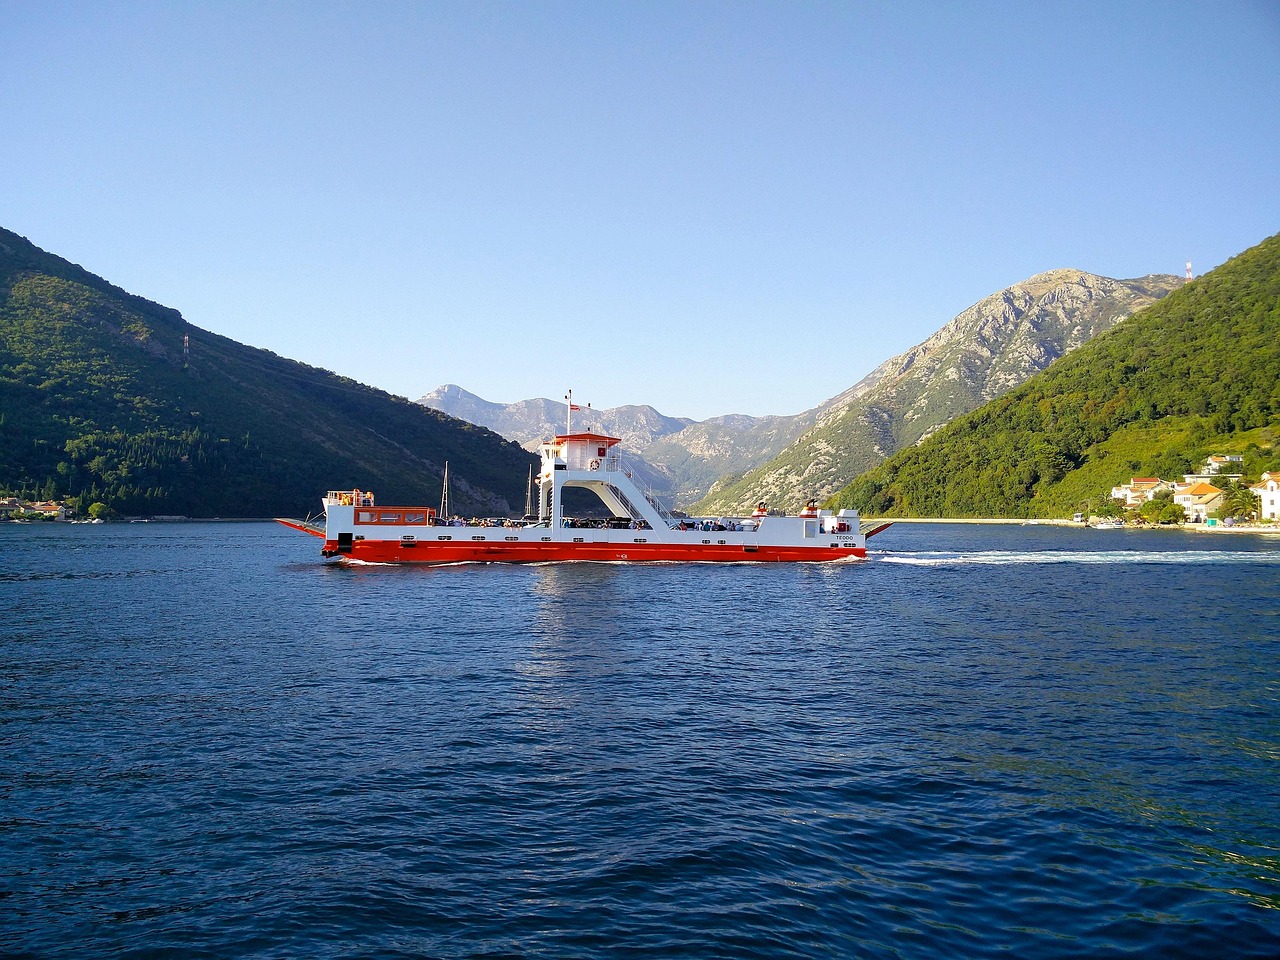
(1268, 493)
(49, 509)
(1139, 490)
(1198, 500)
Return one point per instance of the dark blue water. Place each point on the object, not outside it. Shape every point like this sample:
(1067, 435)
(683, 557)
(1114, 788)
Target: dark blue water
(1014, 741)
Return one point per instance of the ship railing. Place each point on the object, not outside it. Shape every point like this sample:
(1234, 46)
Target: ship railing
(350, 498)
(663, 512)
(627, 505)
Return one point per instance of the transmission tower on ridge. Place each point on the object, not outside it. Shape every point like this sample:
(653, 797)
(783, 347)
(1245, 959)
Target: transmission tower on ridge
(1188, 269)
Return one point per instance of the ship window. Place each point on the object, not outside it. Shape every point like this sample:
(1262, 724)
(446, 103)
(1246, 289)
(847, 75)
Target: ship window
(444, 538)
(366, 516)
(578, 539)
(389, 517)
(546, 539)
(639, 540)
(511, 538)
(477, 538)
(415, 516)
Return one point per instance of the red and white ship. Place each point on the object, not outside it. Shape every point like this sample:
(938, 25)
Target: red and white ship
(357, 529)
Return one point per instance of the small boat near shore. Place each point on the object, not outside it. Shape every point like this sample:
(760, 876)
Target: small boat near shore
(356, 528)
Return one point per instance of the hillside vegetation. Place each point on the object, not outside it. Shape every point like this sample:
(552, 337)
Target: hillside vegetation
(99, 402)
(1194, 374)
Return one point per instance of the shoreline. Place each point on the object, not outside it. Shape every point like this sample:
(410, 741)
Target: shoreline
(1273, 530)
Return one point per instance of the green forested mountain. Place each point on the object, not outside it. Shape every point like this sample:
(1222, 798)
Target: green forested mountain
(1194, 374)
(99, 401)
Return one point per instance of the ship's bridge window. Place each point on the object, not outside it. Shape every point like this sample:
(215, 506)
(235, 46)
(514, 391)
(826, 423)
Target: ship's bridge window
(394, 516)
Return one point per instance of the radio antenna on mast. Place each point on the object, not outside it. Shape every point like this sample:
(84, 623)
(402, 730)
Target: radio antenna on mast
(568, 423)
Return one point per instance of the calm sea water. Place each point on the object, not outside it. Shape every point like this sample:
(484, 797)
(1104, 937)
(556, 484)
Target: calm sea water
(1014, 741)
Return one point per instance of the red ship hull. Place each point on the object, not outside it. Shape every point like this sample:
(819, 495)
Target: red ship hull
(436, 553)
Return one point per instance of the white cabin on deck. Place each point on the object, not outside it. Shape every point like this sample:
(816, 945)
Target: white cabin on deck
(589, 460)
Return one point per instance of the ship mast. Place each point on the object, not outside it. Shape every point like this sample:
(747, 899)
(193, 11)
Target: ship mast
(568, 423)
(444, 493)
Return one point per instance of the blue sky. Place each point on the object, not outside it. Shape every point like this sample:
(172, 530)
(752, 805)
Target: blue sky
(709, 207)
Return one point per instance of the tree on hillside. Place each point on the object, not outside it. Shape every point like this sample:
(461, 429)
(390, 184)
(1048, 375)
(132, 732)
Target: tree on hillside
(1238, 502)
(1162, 509)
(1111, 507)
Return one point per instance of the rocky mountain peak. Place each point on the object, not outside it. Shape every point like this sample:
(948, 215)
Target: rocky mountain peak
(985, 351)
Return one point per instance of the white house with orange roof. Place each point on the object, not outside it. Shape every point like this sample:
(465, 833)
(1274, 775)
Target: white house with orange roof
(1139, 490)
(1198, 500)
(1216, 469)
(1268, 491)
(1216, 465)
(52, 509)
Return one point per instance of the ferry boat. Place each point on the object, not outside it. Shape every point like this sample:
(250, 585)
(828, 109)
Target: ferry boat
(355, 528)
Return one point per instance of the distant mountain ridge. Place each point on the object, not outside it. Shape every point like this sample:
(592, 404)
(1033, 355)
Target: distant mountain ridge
(990, 348)
(529, 422)
(678, 458)
(101, 401)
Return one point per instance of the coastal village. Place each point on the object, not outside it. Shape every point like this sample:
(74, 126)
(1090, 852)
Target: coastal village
(15, 508)
(1214, 494)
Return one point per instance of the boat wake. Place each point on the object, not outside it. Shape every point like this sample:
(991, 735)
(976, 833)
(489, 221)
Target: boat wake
(1127, 557)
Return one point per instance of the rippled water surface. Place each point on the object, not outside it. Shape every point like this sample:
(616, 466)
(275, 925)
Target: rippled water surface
(1015, 741)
